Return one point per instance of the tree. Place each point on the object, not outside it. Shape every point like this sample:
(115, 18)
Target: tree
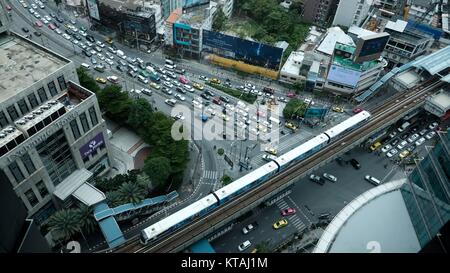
(219, 21)
(131, 193)
(58, 2)
(113, 199)
(262, 247)
(294, 108)
(158, 170)
(144, 181)
(64, 223)
(116, 103)
(140, 112)
(86, 217)
(87, 81)
(298, 87)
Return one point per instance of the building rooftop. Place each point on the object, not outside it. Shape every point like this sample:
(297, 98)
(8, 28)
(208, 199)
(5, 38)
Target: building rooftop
(292, 65)
(409, 78)
(359, 32)
(410, 36)
(441, 99)
(434, 62)
(398, 25)
(173, 17)
(334, 34)
(348, 63)
(22, 64)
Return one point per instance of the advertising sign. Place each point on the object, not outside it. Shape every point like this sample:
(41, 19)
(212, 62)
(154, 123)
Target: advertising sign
(316, 113)
(93, 9)
(343, 76)
(92, 145)
(249, 52)
(370, 47)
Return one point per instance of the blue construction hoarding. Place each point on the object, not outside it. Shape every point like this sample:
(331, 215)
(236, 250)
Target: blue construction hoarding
(250, 52)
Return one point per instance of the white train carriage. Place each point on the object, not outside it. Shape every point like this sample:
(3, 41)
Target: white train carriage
(347, 124)
(179, 218)
(301, 152)
(246, 182)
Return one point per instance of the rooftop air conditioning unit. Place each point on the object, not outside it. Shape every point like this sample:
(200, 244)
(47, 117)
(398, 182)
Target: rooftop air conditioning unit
(38, 112)
(29, 117)
(21, 122)
(53, 102)
(2, 135)
(45, 107)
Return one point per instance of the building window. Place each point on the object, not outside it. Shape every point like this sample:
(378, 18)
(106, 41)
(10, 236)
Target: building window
(29, 194)
(26, 159)
(75, 130)
(17, 173)
(3, 120)
(32, 100)
(93, 116)
(42, 95)
(23, 106)
(52, 88)
(42, 188)
(62, 82)
(13, 112)
(84, 122)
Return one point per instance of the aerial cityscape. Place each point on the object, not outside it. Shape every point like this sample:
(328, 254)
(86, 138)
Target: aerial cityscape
(224, 126)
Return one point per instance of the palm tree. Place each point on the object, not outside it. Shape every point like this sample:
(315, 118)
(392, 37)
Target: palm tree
(64, 223)
(113, 199)
(131, 193)
(87, 220)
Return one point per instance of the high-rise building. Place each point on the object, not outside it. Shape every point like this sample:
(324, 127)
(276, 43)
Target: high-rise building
(319, 12)
(168, 6)
(53, 140)
(391, 6)
(351, 12)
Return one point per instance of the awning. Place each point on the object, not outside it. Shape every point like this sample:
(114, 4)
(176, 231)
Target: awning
(72, 183)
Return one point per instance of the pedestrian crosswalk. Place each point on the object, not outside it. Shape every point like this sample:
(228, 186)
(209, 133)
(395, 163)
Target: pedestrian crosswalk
(292, 219)
(210, 174)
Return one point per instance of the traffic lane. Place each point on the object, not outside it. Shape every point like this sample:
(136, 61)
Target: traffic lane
(265, 232)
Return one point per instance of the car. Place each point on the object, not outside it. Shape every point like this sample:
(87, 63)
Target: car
(393, 134)
(52, 15)
(386, 148)
(393, 143)
(423, 132)
(433, 125)
(224, 99)
(34, 6)
(206, 97)
(37, 33)
(391, 153)
(316, 179)
(38, 23)
(188, 88)
(132, 74)
(291, 95)
(355, 163)
(267, 157)
(180, 97)
(8, 7)
(31, 10)
(411, 148)
(59, 19)
(430, 135)
(375, 146)
(73, 22)
(170, 102)
(203, 78)
(154, 85)
(413, 138)
(402, 145)
(76, 36)
(420, 141)
(357, 110)
(282, 99)
(404, 154)
(249, 228)
(279, 224)
(45, 21)
(214, 80)
(372, 180)
(109, 61)
(176, 83)
(37, 15)
(24, 29)
(113, 79)
(271, 150)
(217, 101)
(168, 84)
(197, 104)
(225, 117)
(404, 137)
(178, 117)
(330, 177)
(75, 41)
(93, 60)
(58, 31)
(66, 36)
(181, 90)
(90, 38)
(100, 80)
(48, 18)
(338, 109)
(198, 86)
(244, 245)
(98, 49)
(287, 212)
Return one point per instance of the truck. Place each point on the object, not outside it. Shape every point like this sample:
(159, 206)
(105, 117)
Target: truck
(152, 74)
(403, 127)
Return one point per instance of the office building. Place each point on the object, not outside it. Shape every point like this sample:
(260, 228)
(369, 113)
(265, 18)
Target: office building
(319, 12)
(351, 12)
(391, 7)
(168, 6)
(53, 139)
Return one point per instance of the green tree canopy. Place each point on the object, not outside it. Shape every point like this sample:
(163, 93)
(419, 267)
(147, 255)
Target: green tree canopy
(116, 103)
(158, 170)
(294, 108)
(86, 217)
(131, 193)
(64, 224)
(139, 115)
(87, 81)
(219, 20)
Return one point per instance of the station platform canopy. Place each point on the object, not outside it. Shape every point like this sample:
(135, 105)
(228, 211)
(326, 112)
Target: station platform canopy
(202, 246)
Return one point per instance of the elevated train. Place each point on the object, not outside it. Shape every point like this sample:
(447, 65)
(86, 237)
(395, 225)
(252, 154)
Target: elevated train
(250, 180)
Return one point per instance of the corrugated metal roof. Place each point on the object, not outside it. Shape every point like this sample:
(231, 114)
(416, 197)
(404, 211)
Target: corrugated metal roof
(446, 78)
(72, 183)
(89, 194)
(435, 62)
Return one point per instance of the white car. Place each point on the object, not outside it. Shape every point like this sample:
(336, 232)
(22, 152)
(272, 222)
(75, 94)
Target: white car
(430, 135)
(423, 132)
(433, 125)
(57, 30)
(197, 104)
(44, 21)
(34, 6)
(391, 153)
(100, 44)
(248, 228)
(386, 148)
(168, 84)
(330, 177)
(100, 56)
(420, 141)
(211, 111)
(267, 124)
(109, 55)
(66, 36)
(48, 18)
(188, 88)
(176, 83)
(93, 52)
(31, 10)
(402, 144)
(229, 107)
(244, 245)
(109, 61)
(82, 33)
(112, 50)
(37, 15)
(412, 138)
(75, 41)
(180, 97)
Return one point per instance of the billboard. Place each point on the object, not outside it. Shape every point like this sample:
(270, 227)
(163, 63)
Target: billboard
(249, 52)
(92, 145)
(343, 76)
(194, 3)
(316, 113)
(93, 9)
(370, 47)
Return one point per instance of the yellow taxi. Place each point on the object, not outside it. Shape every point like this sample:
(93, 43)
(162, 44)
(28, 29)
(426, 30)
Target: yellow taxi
(214, 80)
(290, 125)
(225, 117)
(338, 109)
(271, 150)
(154, 85)
(404, 154)
(198, 86)
(280, 224)
(375, 146)
(100, 80)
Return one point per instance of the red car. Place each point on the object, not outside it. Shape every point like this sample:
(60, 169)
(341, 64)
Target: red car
(291, 95)
(288, 211)
(38, 23)
(51, 26)
(183, 80)
(8, 7)
(357, 110)
(217, 101)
